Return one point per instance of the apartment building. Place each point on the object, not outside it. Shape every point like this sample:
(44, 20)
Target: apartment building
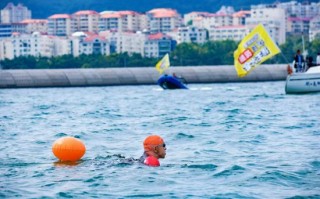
(235, 32)
(209, 21)
(298, 25)
(61, 25)
(190, 18)
(314, 31)
(189, 34)
(33, 45)
(298, 15)
(14, 14)
(240, 18)
(35, 25)
(121, 21)
(274, 20)
(157, 45)
(94, 45)
(300, 10)
(5, 30)
(6, 49)
(86, 21)
(163, 20)
(129, 42)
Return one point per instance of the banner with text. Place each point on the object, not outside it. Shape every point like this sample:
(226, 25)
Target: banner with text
(254, 49)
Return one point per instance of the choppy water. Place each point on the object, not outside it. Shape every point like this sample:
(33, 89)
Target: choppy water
(247, 140)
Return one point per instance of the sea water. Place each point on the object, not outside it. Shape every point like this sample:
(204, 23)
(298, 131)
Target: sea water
(233, 140)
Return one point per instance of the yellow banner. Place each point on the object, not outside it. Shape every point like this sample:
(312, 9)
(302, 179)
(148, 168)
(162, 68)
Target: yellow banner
(163, 64)
(254, 49)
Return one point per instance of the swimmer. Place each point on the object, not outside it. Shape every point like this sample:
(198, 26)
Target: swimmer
(154, 149)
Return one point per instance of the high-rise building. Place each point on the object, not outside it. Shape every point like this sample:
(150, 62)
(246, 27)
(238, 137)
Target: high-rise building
(14, 14)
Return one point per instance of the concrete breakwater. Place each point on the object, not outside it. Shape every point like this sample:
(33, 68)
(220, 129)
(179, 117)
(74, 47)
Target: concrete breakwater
(132, 76)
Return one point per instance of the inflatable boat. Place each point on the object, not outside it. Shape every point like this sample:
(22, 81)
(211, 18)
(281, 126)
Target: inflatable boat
(171, 82)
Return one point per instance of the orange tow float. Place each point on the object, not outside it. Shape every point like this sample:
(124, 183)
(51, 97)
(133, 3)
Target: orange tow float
(68, 149)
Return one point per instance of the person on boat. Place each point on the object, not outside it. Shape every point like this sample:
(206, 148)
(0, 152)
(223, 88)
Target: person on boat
(318, 59)
(309, 61)
(154, 149)
(299, 62)
(174, 75)
(179, 77)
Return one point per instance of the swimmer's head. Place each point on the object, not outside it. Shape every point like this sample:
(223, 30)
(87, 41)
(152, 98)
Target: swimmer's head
(154, 144)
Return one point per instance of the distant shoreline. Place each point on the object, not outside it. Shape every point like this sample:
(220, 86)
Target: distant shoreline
(40, 78)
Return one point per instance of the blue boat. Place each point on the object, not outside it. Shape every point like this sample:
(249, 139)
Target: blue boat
(171, 82)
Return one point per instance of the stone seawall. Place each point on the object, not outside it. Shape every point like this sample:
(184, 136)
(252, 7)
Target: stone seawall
(132, 76)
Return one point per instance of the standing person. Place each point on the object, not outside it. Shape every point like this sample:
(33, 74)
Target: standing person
(318, 59)
(309, 61)
(298, 65)
(154, 149)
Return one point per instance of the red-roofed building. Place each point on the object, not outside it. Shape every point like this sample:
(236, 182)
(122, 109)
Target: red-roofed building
(60, 16)
(239, 18)
(298, 25)
(35, 25)
(85, 12)
(163, 20)
(158, 44)
(94, 37)
(121, 21)
(60, 25)
(92, 44)
(86, 21)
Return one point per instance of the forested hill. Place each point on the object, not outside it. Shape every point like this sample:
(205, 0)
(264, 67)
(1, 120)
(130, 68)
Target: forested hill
(45, 8)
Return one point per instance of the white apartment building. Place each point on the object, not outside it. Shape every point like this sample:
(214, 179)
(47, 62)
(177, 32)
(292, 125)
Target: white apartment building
(314, 31)
(129, 42)
(62, 46)
(273, 19)
(189, 34)
(6, 49)
(14, 14)
(86, 21)
(203, 20)
(236, 33)
(25, 44)
(35, 25)
(163, 20)
(60, 25)
(154, 45)
(33, 44)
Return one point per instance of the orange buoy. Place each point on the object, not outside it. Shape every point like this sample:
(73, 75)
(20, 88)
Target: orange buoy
(68, 149)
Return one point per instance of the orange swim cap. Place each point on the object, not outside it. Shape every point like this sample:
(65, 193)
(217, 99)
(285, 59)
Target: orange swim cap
(152, 140)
